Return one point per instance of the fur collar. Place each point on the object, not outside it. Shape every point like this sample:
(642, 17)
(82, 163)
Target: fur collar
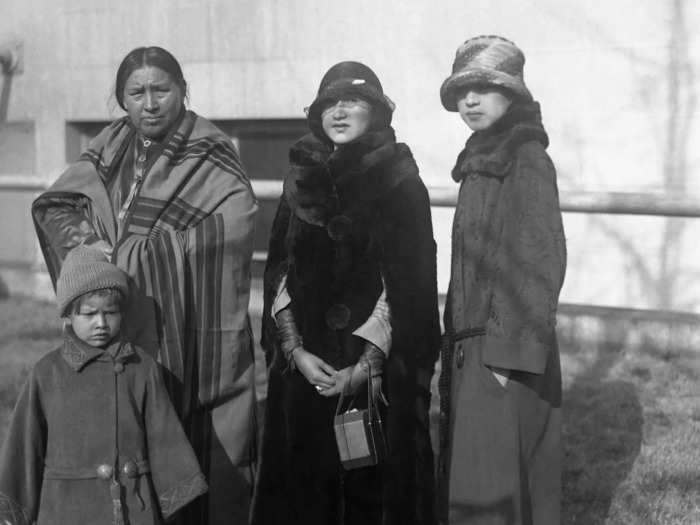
(78, 354)
(323, 182)
(491, 151)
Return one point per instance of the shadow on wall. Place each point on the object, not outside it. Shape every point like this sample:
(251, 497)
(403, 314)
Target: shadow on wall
(603, 423)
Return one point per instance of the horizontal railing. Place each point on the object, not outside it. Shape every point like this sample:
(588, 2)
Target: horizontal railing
(661, 205)
(620, 203)
(21, 183)
(569, 201)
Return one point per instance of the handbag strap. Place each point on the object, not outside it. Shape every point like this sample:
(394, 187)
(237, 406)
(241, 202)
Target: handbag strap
(340, 403)
(370, 397)
(370, 400)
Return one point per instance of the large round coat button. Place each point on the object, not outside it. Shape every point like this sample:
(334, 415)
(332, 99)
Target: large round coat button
(118, 368)
(130, 470)
(338, 227)
(338, 316)
(104, 471)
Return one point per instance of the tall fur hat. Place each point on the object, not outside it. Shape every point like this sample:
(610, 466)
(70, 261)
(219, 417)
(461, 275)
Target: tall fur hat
(489, 60)
(348, 79)
(84, 270)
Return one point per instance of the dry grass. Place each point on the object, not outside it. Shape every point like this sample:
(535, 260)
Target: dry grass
(28, 330)
(631, 428)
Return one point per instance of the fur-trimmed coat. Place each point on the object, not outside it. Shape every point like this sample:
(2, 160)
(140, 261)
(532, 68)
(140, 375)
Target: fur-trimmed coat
(501, 447)
(82, 411)
(348, 219)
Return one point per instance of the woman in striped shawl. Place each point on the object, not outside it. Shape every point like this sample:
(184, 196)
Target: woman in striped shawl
(163, 193)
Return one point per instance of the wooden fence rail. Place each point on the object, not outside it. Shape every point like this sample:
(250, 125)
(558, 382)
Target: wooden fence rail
(619, 203)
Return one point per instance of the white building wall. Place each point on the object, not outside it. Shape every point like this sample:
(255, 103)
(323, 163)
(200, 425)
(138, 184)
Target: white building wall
(600, 69)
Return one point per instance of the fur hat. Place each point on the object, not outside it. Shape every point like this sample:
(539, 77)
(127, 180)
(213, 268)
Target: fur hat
(84, 270)
(347, 79)
(486, 59)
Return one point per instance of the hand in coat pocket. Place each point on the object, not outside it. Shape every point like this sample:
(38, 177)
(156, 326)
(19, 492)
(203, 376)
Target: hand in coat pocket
(501, 374)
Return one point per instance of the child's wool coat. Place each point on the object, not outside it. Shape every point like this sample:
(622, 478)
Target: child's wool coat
(85, 416)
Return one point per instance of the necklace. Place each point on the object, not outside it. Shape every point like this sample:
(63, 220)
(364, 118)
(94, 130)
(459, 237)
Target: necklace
(141, 155)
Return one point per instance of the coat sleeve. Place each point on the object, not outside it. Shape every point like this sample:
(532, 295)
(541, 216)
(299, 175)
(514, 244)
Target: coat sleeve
(276, 269)
(22, 458)
(76, 209)
(66, 225)
(408, 260)
(177, 478)
(408, 265)
(531, 262)
(377, 328)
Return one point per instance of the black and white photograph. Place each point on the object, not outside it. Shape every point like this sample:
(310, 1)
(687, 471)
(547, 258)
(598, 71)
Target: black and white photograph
(323, 262)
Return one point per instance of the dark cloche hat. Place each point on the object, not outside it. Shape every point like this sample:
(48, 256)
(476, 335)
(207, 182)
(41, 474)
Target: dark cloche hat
(351, 79)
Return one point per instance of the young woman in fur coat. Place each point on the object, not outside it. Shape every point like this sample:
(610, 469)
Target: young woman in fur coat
(501, 382)
(350, 290)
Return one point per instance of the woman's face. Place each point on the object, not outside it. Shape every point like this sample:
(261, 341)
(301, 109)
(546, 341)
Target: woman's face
(153, 101)
(481, 106)
(346, 120)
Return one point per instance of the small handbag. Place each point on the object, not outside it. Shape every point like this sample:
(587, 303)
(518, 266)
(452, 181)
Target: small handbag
(359, 433)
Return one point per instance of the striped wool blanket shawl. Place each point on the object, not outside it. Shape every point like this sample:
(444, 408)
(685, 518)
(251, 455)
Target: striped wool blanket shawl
(186, 242)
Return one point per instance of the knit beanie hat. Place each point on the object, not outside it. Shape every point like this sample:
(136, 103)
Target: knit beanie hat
(84, 270)
(486, 59)
(349, 79)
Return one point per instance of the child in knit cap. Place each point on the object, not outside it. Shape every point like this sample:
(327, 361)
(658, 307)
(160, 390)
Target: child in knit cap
(500, 457)
(94, 437)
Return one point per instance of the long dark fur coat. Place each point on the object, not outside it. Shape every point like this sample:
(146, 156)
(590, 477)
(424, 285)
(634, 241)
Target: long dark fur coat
(347, 219)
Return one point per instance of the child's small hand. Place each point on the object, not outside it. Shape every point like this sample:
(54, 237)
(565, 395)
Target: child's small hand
(105, 247)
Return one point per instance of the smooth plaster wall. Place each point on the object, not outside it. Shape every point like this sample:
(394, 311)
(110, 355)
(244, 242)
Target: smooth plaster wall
(601, 70)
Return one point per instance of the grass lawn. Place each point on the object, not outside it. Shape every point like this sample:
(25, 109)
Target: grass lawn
(631, 418)
(631, 428)
(28, 330)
